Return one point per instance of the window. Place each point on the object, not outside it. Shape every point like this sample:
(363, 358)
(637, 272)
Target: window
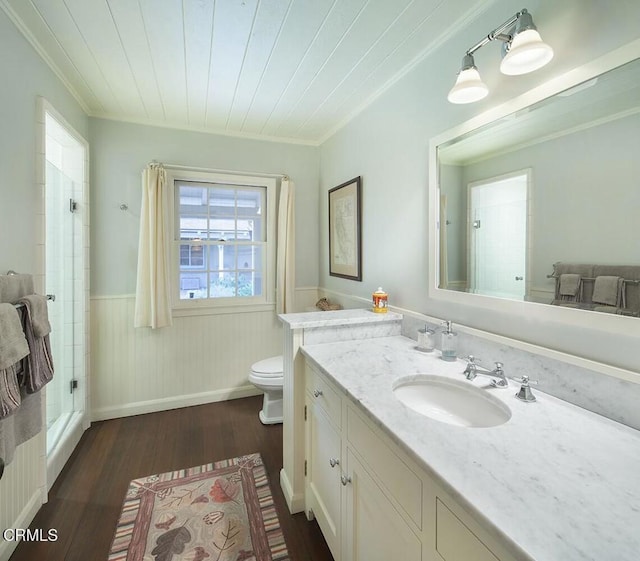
(223, 240)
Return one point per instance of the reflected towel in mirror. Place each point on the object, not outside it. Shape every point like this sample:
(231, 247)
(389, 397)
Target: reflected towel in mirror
(569, 284)
(606, 290)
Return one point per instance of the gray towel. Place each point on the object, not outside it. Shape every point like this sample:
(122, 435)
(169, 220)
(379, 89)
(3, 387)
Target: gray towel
(605, 290)
(20, 426)
(38, 366)
(39, 314)
(13, 348)
(569, 284)
(9, 391)
(14, 287)
(13, 345)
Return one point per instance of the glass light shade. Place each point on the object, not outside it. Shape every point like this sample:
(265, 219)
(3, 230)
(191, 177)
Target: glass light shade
(468, 88)
(527, 53)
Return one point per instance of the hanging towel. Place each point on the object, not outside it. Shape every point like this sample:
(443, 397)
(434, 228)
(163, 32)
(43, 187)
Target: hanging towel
(38, 365)
(13, 345)
(9, 391)
(13, 348)
(605, 290)
(22, 425)
(39, 314)
(569, 284)
(13, 287)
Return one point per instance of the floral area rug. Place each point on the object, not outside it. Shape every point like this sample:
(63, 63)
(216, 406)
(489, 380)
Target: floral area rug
(217, 512)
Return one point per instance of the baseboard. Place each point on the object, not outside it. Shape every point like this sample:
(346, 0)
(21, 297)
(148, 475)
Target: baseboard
(23, 521)
(294, 502)
(154, 405)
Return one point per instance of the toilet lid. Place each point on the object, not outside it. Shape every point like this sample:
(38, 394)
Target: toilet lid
(269, 367)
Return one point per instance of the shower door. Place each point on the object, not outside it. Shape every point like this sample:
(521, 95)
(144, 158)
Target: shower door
(65, 258)
(498, 236)
(60, 269)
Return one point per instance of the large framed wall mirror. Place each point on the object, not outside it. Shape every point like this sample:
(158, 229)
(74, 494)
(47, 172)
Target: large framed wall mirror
(537, 201)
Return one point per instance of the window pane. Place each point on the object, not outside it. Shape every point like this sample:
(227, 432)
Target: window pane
(250, 283)
(251, 205)
(193, 285)
(222, 257)
(192, 256)
(193, 200)
(222, 285)
(222, 201)
(250, 257)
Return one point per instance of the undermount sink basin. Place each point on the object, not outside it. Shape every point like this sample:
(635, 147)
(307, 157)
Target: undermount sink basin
(450, 401)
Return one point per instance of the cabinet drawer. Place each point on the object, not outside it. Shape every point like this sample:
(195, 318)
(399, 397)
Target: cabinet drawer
(323, 395)
(403, 485)
(454, 541)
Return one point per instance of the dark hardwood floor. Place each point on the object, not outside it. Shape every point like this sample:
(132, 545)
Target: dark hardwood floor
(85, 502)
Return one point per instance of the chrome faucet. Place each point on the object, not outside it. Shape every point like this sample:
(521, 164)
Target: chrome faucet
(472, 370)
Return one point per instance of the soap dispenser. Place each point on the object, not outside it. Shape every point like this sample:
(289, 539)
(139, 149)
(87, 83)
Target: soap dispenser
(449, 343)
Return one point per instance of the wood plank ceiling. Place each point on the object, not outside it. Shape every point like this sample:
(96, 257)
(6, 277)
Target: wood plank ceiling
(294, 70)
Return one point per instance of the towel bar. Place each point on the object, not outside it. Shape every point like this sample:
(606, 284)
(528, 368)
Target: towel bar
(51, 297)
(627, 281)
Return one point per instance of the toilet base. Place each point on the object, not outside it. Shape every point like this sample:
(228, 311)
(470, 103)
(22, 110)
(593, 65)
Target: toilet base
(269, 421)
(271, 413)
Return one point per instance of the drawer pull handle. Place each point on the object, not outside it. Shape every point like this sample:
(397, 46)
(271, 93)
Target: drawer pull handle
(317, 393)
(333, 462)
(345, 479)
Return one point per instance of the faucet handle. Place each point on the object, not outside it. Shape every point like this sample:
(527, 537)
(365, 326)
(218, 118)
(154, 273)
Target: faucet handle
(471, 359)
(525, 393)
(499, 365)
(525, 380)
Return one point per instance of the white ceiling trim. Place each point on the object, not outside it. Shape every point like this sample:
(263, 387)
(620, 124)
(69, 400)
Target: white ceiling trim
(206, 130)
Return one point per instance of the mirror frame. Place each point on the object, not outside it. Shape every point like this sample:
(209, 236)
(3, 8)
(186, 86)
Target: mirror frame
(568, 316)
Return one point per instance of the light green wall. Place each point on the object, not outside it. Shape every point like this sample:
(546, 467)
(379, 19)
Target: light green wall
(120, 151)
(387, 144)
(24, 77)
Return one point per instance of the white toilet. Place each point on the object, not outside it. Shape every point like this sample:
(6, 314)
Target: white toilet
(268, 375)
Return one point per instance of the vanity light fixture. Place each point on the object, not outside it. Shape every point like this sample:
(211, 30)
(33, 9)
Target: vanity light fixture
(523, 51)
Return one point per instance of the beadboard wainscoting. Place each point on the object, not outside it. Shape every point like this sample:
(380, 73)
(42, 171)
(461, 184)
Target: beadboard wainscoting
(22, 489)
(200, 359)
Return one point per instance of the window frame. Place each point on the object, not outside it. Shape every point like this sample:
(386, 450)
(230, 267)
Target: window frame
(228, 304)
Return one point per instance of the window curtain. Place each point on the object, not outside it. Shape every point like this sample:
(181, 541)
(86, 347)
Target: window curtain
(285, 252)
(444, 269)
(153, 298)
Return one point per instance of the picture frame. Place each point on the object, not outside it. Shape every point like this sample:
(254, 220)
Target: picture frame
(345, 230)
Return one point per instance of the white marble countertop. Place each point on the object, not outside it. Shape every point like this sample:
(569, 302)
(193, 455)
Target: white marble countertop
(336, 317)
(558, 482)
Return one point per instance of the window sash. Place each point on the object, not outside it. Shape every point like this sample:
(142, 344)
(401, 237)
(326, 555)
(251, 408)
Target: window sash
(239, 213)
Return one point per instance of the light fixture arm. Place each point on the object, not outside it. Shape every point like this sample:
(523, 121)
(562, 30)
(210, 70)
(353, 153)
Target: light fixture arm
(498, 33)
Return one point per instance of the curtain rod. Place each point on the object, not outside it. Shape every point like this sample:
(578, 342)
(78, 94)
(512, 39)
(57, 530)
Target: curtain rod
(214, 170)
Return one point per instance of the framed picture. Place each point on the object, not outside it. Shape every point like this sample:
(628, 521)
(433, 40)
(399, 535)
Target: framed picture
(345, 230)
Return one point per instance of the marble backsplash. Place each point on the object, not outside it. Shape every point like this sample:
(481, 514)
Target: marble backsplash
(608, 396)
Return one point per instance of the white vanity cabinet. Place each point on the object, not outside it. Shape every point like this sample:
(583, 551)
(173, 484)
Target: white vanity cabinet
(323, 458)
(372, 502)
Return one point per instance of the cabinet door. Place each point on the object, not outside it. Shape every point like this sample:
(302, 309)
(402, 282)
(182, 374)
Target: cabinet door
(373, 528)
(323, 475)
